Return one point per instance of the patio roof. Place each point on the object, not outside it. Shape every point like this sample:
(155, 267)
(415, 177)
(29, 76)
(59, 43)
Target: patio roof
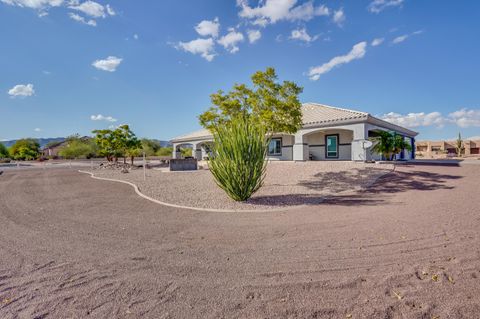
(313, 114)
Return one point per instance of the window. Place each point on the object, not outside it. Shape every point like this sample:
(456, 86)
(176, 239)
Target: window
(275, 146)
(331, 149)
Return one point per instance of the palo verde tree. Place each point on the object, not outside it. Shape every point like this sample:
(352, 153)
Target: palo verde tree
(242, 122)
(118, 142)
(106, 143)
(25, 149)
(273, 105)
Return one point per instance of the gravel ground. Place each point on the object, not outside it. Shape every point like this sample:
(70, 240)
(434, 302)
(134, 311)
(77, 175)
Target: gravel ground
(406, 248)
(286, 184)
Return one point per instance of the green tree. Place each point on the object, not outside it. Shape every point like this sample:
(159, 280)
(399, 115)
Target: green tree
(273, 105)
(106, 143)
(3, 151)
(75, 148)
(25, 149)
(389, 144)
(238, 157)
(151, 147)
(165, 151)
(459, 145)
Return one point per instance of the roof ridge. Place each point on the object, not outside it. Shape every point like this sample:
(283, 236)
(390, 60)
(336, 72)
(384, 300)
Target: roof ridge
(337, 108)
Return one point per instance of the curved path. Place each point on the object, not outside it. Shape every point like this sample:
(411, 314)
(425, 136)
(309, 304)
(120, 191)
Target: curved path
(75, 247)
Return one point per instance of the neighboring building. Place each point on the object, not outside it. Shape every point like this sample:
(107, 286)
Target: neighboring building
(328, 133)
(52, 149)
(443, 149)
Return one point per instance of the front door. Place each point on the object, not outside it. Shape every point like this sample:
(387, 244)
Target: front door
(331, 146)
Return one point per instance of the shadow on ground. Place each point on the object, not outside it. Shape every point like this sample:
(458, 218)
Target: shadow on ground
(336, 182)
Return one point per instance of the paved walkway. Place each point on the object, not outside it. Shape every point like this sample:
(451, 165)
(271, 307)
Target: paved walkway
(74, 247)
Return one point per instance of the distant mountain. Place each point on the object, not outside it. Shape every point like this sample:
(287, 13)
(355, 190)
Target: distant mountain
(41, 141)
(45, 141)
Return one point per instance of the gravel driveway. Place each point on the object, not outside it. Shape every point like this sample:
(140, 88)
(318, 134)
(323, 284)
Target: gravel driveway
(286, 184)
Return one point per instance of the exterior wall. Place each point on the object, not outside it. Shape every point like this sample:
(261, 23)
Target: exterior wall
(316, 145)
(287, 148)
(443, 149)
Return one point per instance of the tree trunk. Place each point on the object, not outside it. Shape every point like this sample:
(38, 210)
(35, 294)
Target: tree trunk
(124, 160)
(132, 158)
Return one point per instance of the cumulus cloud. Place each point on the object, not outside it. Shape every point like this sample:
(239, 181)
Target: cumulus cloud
(92, 9)
(358, 51)
(22, 90)
(377, 42)
(208, 28)
(204, 47)
(230, 40)
(37, 129)
(254, 35)
(302, 35)
(415, 119)
(81, 19)
(339, 17)
(272, 11)
(34, 4)
(109, 64)
(377, 6)
(100, 117)
(463, 118)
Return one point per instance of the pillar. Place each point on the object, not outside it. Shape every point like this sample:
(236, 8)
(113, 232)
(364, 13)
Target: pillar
(300, 148)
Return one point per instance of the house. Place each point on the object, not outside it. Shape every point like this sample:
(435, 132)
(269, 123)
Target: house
(328, 133)
(442, 149)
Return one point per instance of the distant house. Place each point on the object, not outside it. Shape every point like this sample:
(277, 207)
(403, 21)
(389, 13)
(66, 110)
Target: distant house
(441, 149)
(52, 149)
(328, 133)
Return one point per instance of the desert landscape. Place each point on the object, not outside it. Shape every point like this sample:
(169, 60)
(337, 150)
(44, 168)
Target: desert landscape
(75, 247)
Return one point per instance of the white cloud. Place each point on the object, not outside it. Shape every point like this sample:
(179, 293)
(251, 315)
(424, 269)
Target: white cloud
(272, 11)
(377, 6)
(339, 17)
(377, 42)
(37, 129)
(109, 64)
(34, 4)
(415, 119)
(208, 28)
(81, 19)
(465, 117)
(302, 35)
(358, 51)
(204, 47)
(92, 8)
(100, 117)
(404, 37)
(400, 39)
(21, 90)
(135, 36)
(254, 35)
(230, 40)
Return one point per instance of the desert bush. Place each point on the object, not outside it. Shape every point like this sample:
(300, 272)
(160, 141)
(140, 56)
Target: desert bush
(238, 157)
(3, 151)
(25, 149)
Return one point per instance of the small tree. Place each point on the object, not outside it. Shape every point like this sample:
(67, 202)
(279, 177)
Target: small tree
(238, 161)
(75, 148)
(459, 145)
(389, 144)
(3, 151)
(25, 149)
(105, 141)
(273, 105)
(151, 147)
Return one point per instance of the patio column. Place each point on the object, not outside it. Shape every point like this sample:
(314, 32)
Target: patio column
(300, 148)
(197, 151)
(360, 133)
(174, 151)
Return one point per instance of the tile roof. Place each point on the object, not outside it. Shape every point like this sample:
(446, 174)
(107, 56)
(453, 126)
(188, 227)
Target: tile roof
(312, 114)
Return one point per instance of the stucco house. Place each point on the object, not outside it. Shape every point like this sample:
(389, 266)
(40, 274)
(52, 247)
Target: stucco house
(328, 133)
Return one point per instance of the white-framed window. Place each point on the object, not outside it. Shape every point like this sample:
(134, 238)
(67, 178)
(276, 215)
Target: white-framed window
(275, 146)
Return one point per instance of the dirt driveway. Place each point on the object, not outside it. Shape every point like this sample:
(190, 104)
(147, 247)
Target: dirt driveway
(74, 247)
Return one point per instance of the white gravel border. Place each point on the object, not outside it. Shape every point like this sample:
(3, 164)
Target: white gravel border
(135, 187)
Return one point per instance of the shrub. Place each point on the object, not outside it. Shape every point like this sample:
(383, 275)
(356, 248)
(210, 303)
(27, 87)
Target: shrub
(238, 158)
(3, 151)
(25, 149)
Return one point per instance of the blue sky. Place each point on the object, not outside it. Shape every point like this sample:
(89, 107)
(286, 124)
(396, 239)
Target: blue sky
(73, 66)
